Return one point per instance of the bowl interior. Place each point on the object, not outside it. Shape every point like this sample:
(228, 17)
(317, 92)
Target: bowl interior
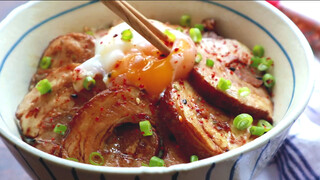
(29, 29)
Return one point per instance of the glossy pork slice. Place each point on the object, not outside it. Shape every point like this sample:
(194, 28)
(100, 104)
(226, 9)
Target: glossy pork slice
(96, 120)
(127, 147)
(205, 80)
(232, 54)
(171, 152)
(66, 49)
(38, 114)
(199, 128)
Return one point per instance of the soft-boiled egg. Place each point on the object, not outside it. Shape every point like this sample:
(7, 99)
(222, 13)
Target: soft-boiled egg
(139, 62)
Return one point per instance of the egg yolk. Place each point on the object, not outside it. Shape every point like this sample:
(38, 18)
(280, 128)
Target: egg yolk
(146, 68)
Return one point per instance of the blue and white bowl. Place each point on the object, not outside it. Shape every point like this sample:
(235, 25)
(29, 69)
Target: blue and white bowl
(26, 32)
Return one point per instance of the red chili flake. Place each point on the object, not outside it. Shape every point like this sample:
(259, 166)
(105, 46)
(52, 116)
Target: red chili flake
(141, 86)
(101, 42)
(115, 35)
(176, 49)
(139, 78)
(235, 51)
(207, 51)
(196, 69)
(218, 59)
(51, 119)
(181, 82)
(117, 65)
(184, 66)
(142, 116)
(123, 97)
(235, 46)
(171, 103)
(200, 121)
(216, 79)
(175, 62)
(213, 75)
(101, 109)
(224, 42)
(142, 133)
(52, 139)
(53, 126)
(231, 72)
(97, 119)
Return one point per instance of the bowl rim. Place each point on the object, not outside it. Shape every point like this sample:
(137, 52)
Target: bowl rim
(261, 141)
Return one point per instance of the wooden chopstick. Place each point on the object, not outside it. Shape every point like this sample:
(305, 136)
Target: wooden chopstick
(139, 23)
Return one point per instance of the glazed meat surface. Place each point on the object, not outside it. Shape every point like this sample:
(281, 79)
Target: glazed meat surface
(205, 80)
(66, 49)
(127, 147)
(38, 114)
(96, 120)
(199, 128)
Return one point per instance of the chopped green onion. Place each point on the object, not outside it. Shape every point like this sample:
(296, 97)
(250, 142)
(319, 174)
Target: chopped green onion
(195, 35)
(265, 124)
(262, 67)
(170, 35)
(126, 35)
(194, 158)
(199, 26)
(144, 164)
(224, 84)
(180, 29)
(60, 129)
(185, 20)
(258, 51)
(265, 64)
(242, 121)
(73, 159)
(209, 62)
(145, 128)
(96, 158)
(89, 33)
(156, 162)
(198, 58)
(256, 130)
(45, 62)
(268, 80)
(89, 83)
(255, 61)
(44, 86)
(244, 91)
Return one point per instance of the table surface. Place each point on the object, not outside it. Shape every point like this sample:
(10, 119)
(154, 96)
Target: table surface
(9, 166)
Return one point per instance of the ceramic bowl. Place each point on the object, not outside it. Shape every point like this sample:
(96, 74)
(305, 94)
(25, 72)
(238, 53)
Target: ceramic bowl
(26, 32)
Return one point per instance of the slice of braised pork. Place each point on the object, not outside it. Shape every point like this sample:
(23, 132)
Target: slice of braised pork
(205, 79)
(93, 125)
(201, 129)
(39, 114)
(66, 49)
